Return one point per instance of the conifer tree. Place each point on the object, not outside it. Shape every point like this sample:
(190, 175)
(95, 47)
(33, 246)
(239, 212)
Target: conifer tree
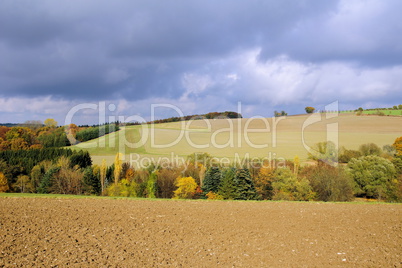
(212, 180)
(227, 189)
(245, 185)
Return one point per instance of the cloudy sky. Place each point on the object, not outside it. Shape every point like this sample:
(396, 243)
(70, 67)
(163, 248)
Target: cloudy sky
(199, 56)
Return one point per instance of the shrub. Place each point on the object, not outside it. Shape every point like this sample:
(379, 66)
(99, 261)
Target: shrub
(214, 196)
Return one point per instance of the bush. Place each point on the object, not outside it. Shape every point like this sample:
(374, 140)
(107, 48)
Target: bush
(214, 196)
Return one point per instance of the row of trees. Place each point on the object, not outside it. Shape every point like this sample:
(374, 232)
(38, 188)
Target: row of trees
(35, 136)
(44, 170)
(211, 115)
(371, 175)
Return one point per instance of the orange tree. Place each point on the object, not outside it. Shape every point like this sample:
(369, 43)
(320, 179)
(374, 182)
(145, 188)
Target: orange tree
(398, 146)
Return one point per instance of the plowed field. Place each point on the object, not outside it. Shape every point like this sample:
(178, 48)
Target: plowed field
(97, 232)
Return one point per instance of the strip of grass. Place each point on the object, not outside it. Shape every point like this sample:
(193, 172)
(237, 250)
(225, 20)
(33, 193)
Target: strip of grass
(65, 196)
(385, 112)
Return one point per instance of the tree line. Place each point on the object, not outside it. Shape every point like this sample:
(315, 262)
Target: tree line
(35, 136)
(211, 115)
(370, 173)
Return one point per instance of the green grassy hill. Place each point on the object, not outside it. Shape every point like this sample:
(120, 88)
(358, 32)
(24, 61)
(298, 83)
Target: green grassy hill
(231, 138)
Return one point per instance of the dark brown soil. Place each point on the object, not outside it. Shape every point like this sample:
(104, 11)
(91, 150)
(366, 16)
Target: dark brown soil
(126, 233)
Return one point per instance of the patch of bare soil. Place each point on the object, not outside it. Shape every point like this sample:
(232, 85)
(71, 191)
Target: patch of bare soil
(126, 233)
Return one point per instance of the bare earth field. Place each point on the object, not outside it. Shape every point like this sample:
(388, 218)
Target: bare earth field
(124, 233)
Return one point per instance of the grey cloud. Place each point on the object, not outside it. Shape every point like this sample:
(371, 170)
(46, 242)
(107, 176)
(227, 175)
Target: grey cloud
(141, 50)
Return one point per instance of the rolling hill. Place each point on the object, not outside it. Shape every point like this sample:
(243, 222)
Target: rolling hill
(280, 138)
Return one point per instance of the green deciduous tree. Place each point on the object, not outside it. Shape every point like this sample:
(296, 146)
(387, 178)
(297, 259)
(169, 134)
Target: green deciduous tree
(151, 185)
(23, 184)
(286, 186)
(370, 149)
(373, 176)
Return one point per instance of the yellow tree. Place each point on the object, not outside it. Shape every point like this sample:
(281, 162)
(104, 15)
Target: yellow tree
(186, 188)
(297, 165)
(263, 182)
(50, 122)
(117, 167)
(103, 175)
(3, 183)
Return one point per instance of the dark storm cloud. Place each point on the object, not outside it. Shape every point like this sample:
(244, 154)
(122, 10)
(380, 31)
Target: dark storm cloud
(62, 47)
(191, 52)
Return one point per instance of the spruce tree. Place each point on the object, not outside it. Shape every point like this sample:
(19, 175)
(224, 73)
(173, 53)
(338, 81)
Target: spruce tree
(227, 189)
(212, 180)
(245, 185)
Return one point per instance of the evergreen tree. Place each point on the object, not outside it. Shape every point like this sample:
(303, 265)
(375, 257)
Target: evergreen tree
(212, 180)
(227, 189)
(47, 180)
(91, 181)
(245, 185)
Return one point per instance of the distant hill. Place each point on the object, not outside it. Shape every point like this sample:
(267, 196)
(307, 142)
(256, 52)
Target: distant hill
(9, 124)
(211, 115)
(225, 138)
